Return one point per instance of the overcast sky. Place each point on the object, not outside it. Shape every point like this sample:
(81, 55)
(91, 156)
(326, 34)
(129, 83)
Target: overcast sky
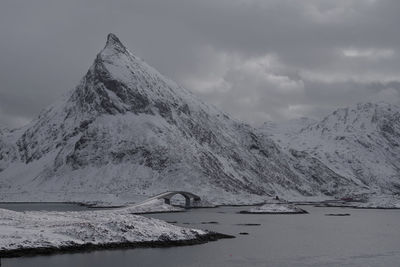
(256, 59)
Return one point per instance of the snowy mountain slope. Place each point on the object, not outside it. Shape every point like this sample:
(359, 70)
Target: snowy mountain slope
(361, 143)
(8, 151)
(126, 130)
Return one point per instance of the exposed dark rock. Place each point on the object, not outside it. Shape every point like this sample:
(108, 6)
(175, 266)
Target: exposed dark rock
(248, 224)
(300, 211)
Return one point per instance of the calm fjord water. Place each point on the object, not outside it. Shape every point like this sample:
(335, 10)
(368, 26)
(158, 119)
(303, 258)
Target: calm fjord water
(366, 238)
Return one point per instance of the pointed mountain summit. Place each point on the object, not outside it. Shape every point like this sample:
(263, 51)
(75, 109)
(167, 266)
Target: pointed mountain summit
(115, 43)
(126, 131)
(119, 82)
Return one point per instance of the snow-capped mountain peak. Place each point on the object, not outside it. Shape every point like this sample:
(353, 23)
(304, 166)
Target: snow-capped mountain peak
(126, 130)
(113, 43)
(366, 117)
(361, 143)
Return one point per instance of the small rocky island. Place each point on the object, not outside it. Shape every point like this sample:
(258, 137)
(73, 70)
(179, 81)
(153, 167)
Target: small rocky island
(275, 207)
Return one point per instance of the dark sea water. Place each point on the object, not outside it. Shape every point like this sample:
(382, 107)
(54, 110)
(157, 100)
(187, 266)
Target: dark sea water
(24, 206)
(365, 238)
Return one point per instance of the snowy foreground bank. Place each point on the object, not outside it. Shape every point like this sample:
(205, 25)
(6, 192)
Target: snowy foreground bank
(28, 233)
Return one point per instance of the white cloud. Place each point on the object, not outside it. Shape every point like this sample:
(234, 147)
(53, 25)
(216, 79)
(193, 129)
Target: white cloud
(235, 69)
(257, 59)
(338, 76)
(247, 87)
(373, 54)
(323, 13)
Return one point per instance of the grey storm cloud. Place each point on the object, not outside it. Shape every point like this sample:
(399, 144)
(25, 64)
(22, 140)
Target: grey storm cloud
(256, 59)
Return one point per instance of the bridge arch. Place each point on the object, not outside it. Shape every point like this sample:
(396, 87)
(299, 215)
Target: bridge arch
(189, 197)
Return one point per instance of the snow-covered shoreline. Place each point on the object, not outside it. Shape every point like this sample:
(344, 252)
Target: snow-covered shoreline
(39, 232)
(370, 201)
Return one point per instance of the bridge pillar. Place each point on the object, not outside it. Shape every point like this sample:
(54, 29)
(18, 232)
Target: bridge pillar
(187, 202)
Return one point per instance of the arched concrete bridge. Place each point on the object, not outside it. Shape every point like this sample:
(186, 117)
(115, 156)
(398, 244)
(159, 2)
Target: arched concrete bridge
(187, 195)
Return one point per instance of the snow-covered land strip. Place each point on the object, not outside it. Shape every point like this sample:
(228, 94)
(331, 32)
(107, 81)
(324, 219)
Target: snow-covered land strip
(25, 233)
(272, 208)
(152, 206)
(370, 202)
(381, 202)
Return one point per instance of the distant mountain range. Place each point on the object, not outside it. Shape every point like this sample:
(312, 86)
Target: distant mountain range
(127, 132)
(360, 143)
